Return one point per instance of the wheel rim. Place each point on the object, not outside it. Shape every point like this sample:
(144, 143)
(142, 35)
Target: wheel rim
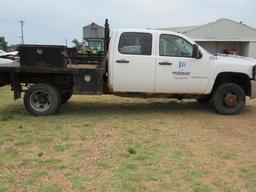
(40, 101)
(230, 100)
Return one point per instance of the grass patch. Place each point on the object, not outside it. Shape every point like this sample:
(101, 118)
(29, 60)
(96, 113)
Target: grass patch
(6, 117)
(200, 187)
(249, 175)
(107, 143)
(44, 140)
(3, 189)
(78, 182)
(35, 176)
(62, 147)
(7, 155)
(194, 175)
(225, 186)
(55, 164)
(6, 181)
(78, 155)
(132, 151)
(6, 137)
(225, 155)
(25, 142)
(48, 188)
(74, 166)
(104, 164)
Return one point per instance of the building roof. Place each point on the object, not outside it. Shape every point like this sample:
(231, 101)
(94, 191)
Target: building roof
(181, 29)
(220, 30)
(93, 25)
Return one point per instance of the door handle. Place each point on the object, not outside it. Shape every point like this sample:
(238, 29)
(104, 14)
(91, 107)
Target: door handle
(122, 61)
(165, 63)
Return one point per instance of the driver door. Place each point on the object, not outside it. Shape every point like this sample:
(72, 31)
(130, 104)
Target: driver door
(176, 69)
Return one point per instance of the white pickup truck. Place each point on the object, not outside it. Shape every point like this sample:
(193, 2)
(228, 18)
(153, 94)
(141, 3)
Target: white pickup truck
(138, 63)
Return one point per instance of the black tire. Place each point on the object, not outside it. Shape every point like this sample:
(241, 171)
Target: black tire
(42, 99)
(66, 96)
(229, 99)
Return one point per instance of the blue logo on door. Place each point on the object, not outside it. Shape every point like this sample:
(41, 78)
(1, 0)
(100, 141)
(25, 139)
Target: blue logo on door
(182, 65)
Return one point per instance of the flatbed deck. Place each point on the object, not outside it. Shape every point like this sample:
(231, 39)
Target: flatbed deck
(15, 67)
(9, 65)
(83, 78)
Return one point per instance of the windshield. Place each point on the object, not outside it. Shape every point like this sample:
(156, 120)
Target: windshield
(95, 45)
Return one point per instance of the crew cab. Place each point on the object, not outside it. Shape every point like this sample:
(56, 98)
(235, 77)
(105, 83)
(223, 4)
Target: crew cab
(136, 63)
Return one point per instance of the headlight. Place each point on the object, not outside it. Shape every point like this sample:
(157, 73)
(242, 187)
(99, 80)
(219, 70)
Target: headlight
(254, 72)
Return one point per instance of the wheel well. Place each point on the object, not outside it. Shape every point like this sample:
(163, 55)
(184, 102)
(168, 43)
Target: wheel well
(240, 79)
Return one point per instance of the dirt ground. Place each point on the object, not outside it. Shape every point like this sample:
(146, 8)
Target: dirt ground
(107, 143)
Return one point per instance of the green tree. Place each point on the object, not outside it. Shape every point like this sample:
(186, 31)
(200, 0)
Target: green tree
(13, 47)
(3, 44)
(78, 45)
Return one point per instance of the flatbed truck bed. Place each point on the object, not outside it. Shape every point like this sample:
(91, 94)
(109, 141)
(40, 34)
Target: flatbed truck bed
(70, 73)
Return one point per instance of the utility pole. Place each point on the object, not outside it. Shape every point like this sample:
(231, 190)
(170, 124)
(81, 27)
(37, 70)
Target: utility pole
(21, 29)
(66, 42)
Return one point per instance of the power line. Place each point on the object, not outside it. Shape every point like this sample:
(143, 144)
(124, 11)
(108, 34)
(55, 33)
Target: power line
(21, 29)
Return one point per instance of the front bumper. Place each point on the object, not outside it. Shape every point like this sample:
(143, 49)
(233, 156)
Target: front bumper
(253, 89)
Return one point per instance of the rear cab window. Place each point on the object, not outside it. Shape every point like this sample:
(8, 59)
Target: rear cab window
(133, 43)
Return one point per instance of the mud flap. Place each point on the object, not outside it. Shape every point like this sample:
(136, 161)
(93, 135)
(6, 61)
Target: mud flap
(16, 87)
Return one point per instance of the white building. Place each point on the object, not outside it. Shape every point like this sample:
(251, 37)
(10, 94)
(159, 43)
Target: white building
(223, 35)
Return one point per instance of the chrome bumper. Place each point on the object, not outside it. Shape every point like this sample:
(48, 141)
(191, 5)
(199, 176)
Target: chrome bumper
(253, 89)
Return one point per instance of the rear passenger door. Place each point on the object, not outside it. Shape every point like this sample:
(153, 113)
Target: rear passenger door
(134, 62)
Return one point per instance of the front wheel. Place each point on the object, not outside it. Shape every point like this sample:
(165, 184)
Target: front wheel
(42, 99)
(229, 99)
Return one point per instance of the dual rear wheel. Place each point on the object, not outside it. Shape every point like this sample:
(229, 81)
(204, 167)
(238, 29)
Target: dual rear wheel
(43, 99)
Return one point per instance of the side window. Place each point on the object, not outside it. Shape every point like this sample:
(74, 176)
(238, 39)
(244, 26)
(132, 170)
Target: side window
(135, 44)
(174, 46)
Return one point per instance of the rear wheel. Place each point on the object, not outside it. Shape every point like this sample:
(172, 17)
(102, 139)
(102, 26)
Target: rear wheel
(229, 99)
(42, 99)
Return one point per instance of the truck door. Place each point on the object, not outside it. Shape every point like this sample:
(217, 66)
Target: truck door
(176, 70)
(134, 62)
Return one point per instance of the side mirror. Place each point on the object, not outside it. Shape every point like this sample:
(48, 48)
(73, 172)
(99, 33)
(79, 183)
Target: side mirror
(196, 52)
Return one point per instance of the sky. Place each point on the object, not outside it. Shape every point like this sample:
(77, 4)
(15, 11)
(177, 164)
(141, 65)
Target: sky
(53, 21)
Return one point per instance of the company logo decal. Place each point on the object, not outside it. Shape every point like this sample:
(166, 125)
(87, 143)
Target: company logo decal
(181, 73)
(182, 65)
